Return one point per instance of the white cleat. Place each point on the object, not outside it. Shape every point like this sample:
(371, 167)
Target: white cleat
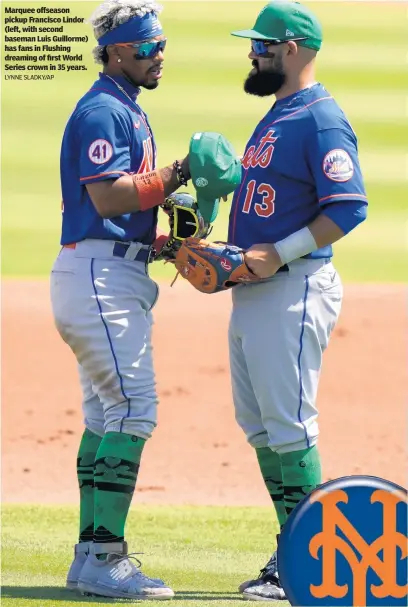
(118, 577)
(81, 552)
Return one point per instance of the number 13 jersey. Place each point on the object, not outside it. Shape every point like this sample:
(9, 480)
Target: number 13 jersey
(301, 157)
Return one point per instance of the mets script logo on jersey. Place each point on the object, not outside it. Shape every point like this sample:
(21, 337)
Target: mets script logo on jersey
(147, 163)
(260, 155)
(338, 166)
(348, 540)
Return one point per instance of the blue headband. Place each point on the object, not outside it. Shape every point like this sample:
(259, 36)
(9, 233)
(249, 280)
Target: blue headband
(137, 28)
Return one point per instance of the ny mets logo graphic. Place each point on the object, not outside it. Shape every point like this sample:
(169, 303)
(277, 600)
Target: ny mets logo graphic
(330, 542)
(354, 546)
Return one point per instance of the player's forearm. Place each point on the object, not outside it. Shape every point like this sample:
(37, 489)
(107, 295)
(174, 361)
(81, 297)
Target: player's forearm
(319, 233)
(265, 259)
(337, 220)
(325, 231)
(133, 193)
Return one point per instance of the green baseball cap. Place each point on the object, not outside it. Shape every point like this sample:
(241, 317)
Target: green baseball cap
(286, 20)
(215, 170)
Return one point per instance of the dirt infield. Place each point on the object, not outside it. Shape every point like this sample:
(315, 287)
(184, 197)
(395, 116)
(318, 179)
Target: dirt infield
(197, 454)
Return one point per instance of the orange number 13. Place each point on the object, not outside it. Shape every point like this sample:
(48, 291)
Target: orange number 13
(266, 208)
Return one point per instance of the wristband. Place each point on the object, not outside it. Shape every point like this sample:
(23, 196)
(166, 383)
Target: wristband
(296, 245)
(150, 189)
(182, 179)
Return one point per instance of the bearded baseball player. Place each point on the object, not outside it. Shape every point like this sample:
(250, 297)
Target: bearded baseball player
(301, 191)
(101, 292)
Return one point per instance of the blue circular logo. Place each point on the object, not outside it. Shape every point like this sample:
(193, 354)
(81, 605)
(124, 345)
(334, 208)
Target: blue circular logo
(346, 544)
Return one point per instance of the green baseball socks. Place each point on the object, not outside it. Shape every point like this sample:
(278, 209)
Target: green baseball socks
(116, 467)
(301, 473)
(107, 472)
(289, 477)
(85, 472)
(270, 466)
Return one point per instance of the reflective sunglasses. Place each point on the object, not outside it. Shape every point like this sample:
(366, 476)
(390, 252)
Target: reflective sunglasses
(146, 50)
(260, 47)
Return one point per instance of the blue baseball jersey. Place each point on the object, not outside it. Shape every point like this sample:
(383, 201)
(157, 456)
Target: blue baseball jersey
(107, 136)
(301, 158)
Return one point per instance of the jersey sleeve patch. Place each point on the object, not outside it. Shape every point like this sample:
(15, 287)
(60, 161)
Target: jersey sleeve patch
(338, 166)
(100, 151)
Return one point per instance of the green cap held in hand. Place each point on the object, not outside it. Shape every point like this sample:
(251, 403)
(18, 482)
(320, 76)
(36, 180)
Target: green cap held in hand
(215, 171)
(284, 20)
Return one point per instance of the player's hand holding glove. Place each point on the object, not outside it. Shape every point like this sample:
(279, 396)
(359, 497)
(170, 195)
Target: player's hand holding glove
(212, 266)
(185, 221)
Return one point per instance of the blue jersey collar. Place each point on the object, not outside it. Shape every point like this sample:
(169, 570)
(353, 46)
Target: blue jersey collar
(290, 98)
(132, 91)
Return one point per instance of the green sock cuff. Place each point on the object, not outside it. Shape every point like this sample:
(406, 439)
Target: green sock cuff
(86, 456)
(90, 437)
(301, 473)
(301, 467)
(268, 459)
(123, 446)
(88, 447)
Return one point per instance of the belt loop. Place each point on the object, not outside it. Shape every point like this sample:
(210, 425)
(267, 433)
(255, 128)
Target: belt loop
(133, 250)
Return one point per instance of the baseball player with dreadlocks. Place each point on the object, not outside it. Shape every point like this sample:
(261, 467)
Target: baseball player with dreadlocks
(101, 292)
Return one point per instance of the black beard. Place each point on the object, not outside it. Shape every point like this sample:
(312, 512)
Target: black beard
(264, 83)
(150, 87)
(130, 79)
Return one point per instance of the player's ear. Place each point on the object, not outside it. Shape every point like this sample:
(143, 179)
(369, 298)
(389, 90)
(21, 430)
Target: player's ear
(292, 48)
(113, 52)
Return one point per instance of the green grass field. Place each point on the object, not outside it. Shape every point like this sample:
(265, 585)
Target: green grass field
(203, 552)
(363, 64)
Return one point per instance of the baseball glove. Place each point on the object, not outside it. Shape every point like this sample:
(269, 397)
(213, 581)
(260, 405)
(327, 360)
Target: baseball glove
(212, 266)
(185, 221)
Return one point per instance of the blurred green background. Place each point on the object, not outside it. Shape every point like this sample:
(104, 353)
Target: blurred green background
(363, 63)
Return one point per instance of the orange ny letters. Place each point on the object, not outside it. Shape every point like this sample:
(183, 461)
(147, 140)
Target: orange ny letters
(330, 542)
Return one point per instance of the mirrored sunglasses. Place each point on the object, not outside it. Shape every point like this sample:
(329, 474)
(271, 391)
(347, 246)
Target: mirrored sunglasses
(260, 47)
(146, 50)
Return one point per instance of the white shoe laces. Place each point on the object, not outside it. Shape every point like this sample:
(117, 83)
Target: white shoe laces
(132, 555)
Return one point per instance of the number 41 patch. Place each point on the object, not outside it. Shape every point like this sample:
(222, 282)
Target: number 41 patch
(100, 151)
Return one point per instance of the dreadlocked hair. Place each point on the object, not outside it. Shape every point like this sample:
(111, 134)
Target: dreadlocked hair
(112, 13)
